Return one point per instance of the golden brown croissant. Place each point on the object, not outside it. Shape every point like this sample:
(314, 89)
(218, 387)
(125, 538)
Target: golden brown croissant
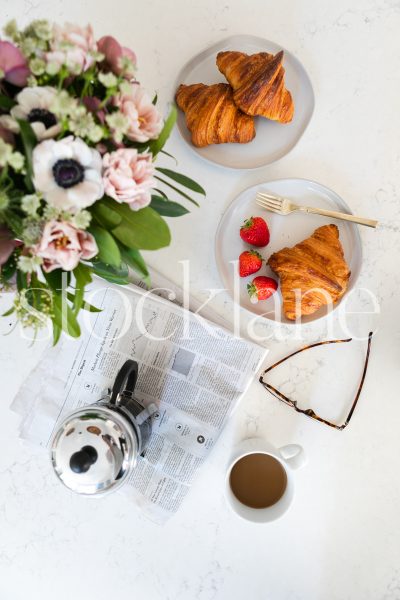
(212, 117)
(312, 273)
(258, 84)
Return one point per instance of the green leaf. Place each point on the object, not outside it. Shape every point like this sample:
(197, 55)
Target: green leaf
(22, 280)
(82, 278)
(135, 260)
(64, 317)
(167, 208)
(177, 190)
(161, 192)
(58, 279)
(8, 312)
(8, 269)
(183, 180)
(170, 156)
(56, 333)
(29, 141)
(154, 101)
(105, 215)
(6, 103)
(156, 145)
(144, 229)
(85, 305)
(108, 249)
(112, 274)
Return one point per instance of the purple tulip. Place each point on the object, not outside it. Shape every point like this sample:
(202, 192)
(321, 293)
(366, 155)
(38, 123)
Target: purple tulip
(7, 244)
(13, 64)
(114, 53)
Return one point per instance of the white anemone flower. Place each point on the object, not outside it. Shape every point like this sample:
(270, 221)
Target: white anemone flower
(67, 173)
(33, 105)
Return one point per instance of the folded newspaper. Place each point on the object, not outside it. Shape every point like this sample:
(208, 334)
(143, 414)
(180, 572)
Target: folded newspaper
(192, 368)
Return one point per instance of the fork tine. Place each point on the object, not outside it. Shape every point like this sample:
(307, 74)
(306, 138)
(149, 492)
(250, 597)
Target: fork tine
(262, 202)
(270, 208)
(269, 200)
(266, 196)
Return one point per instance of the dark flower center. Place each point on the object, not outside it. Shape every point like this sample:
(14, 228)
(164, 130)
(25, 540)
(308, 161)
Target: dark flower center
(41, 115)
(68, 172)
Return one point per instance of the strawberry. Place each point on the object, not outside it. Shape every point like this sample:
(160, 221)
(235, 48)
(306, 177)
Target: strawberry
(250, 262)
(261, 288)
(255, 232)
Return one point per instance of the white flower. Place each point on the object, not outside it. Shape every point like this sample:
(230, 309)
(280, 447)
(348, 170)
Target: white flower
(68, 173)
(34, 105)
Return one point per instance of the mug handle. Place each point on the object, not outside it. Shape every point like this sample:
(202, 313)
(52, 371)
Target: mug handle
(125, 380)
(294, 455)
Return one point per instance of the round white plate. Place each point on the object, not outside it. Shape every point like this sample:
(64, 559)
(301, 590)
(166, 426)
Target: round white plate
(273, 140)
(285, 231)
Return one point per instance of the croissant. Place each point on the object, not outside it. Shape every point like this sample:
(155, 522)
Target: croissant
(258, 84)
(212, 117)
(311, 273)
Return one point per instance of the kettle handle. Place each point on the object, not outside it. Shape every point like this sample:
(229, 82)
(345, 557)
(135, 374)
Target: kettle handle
(125, 379)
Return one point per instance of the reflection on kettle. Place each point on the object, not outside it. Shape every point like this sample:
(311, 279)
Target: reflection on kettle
(96, 447)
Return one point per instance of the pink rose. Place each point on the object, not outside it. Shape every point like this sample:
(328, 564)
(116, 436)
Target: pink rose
(72, 45)
(145, 122)
(13, 64)
(128, 177)
(114, 53)
(62, 246)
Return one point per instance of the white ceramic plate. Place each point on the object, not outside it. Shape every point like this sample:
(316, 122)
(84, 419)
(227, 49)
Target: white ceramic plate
(273, 140)
(285, 231)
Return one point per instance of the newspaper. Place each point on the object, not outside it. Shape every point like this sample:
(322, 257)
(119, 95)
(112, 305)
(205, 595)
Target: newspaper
(194, 370)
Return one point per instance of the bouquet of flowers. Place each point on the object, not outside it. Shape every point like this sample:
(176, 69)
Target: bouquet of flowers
(79, 189)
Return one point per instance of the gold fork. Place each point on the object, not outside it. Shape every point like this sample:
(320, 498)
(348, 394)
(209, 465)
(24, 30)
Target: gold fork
(283, 206)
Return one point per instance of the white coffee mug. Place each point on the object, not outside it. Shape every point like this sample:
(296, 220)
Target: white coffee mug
(291, 457)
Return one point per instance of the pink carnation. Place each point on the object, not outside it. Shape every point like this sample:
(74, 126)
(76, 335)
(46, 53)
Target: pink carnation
(145, 122)
(72, 45)
(114, 54)
(13, 64)
(128, 177)
(62, 246)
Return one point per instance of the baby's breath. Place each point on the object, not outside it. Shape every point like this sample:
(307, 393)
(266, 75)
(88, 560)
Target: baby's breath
(30, 204)
(29, 264)
(119, 125)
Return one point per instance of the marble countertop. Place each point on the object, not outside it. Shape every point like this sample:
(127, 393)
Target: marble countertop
(340, 539)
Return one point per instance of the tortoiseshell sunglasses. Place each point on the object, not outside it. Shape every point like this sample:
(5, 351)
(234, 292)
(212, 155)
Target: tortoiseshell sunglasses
(308, 411)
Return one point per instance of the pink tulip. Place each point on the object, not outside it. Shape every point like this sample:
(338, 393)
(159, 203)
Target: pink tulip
(13, 64)
(113, 53)
(63, 246)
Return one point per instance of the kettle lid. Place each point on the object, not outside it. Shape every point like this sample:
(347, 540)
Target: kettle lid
(93, 450)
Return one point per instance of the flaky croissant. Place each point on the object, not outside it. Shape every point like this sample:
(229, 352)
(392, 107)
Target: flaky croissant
(212, 117)
(258, 84)
(312, 273)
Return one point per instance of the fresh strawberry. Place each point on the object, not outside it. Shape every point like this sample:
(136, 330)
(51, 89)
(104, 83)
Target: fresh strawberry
(250, 261)
(255, 232)
(261, 288)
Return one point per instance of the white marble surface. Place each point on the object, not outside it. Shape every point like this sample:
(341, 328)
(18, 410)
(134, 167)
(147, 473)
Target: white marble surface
(340, 540)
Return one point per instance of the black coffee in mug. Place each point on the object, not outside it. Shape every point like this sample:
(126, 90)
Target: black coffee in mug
(258, 480)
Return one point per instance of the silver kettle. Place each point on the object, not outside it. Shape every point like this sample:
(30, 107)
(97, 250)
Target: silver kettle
(95, 448)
